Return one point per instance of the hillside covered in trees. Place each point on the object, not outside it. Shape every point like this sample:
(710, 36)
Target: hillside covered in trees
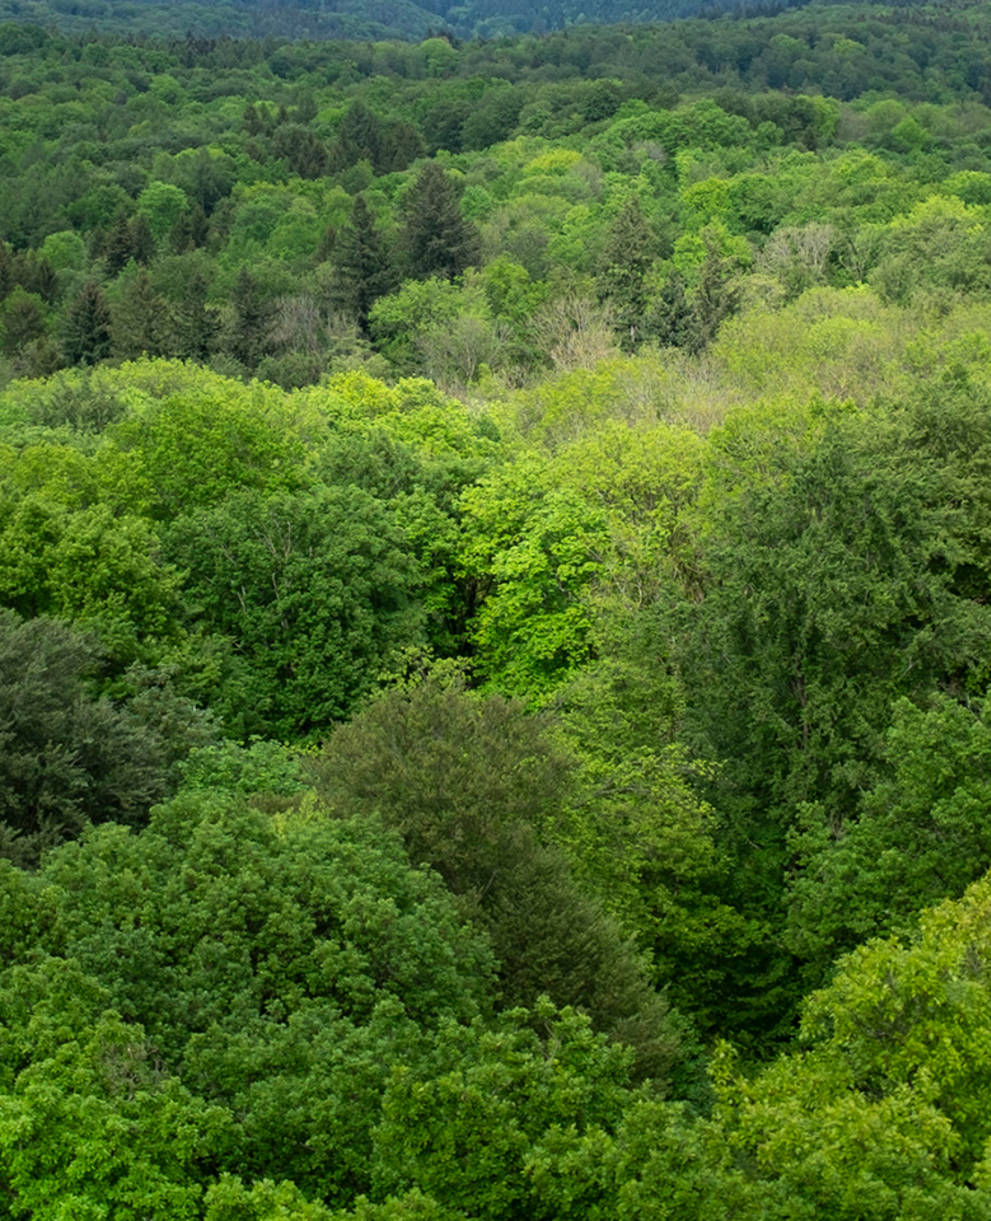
(351, 19)
(495, 620)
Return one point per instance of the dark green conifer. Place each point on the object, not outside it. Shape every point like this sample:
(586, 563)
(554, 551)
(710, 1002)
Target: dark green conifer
(359, 138)
(248, 336)
(136, 325)
(363, 271)
(22, 321)
(86, 333)
(438, 240)
(117, 248)
(6, 270)
(626, 259)
(141, 238)
(189, 327)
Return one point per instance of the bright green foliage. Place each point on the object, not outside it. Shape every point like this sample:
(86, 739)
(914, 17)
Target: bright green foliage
(90, 1124)
(399, 321)
(280, 967)
(534, 550)
(66, 554)
(412, 1205)
(315, 590)
(196, 448)
(886, 1114)
(920, 835)
(261, 767)
(470, 1134)
(229, 1200)
(161, 204)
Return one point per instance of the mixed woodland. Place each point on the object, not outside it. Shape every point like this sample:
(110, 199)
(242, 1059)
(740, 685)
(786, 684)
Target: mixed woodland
(495, 621)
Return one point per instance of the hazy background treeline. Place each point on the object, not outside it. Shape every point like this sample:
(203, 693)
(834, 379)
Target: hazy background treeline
(346, 18)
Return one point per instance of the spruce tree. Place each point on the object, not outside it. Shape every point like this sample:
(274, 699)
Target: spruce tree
(438, 240)
(117, 246)
(141, 238)
(626, 259)
(137, 320)
(86, 333)
(359, 138)
(248, 335)
(6, 270)
(363, 271)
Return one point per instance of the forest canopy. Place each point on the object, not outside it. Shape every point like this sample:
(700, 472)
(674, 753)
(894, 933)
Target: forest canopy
(494, 617)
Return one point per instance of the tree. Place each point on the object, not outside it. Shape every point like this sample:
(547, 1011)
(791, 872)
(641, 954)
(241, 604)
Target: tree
(66, 758)
(359, 138)
(302, 150)
(189, 326)
(920, 834)
(626, 258)
(363, 270)
(22, 320)
(136, 325)
(281, 968)
(161, 204)
(251, 318)
(86, 330)
(316, 590)
(437, 240)
(474, 785)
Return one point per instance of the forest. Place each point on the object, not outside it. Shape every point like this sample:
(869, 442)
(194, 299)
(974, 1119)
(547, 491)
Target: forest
(495, 621)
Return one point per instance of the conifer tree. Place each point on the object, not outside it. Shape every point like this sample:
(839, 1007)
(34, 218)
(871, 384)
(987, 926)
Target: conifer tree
(86, 333)
(142, 239)
(117, 248)
(359, 138)
(626, 260)
(190, 325)
(437, 239)
(6, 270)
(136, 324)
(362, 268)
(248, 336)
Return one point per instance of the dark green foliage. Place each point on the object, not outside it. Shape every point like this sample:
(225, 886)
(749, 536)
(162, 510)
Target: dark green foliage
(137, 320)
(471, 783)
(86, 331)
(920, 835)
(22, 320)
(363, 270)
(189, 326)
(626, 258)
(315, 590)
(248, 338)
(129, 238)
(360, 137)
(437, 240)
(304, 153)
(66, 757)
